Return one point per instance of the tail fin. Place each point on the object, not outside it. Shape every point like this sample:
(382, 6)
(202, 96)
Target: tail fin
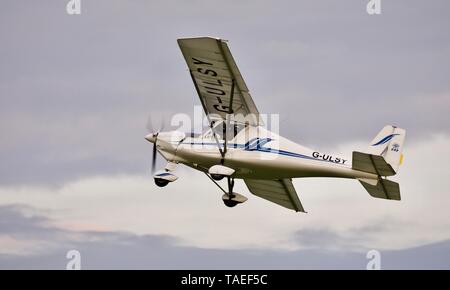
(389, 144)
(383, 158)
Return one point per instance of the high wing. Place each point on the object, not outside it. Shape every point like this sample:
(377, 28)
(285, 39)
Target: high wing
(217, 79)
(279, 191)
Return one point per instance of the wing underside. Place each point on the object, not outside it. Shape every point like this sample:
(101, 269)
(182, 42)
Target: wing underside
(281, 192)
(217, 79)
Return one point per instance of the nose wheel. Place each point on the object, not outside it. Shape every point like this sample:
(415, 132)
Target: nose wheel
(161, 182)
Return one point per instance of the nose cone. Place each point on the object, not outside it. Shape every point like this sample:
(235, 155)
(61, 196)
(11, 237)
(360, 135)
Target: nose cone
(151, 138)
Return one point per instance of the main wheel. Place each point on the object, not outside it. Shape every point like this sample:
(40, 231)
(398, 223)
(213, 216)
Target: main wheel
(217, 177)
(161, 182)
(230, 203)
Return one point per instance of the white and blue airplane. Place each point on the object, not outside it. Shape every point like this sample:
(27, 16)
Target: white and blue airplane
(238, 146)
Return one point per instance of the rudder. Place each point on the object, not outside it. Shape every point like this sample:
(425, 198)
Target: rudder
(382, 158)
(389, 144)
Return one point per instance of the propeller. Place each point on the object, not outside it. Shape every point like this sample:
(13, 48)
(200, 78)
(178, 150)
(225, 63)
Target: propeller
(154, 154)
(153, 137)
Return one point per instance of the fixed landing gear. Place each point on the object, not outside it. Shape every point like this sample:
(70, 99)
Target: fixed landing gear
(217, 177)
(233, 199)
(230, 202)
(230, 198)
(162, 178)
(161, 182)
(218, 172)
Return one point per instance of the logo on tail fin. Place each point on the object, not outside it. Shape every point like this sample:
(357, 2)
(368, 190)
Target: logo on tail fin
(385, 139)
(395, 147)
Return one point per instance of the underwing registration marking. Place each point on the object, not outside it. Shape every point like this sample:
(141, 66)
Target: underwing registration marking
(214, 87)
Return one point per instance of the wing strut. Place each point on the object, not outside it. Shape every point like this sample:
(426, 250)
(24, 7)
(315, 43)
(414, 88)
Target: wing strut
(227, 124)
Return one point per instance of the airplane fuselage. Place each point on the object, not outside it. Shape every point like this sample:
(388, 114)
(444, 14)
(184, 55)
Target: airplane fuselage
(268, 157)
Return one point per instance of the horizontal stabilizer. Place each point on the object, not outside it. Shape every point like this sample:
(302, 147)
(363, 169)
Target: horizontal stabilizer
(372, 164)
(385, 189)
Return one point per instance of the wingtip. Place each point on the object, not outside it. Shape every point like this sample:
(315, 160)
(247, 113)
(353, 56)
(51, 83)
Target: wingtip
(200, 37)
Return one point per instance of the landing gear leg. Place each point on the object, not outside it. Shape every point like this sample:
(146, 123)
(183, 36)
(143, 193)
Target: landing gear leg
(229, 198)
(229, 202)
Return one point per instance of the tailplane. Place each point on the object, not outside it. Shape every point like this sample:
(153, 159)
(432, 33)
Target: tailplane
(383, 188)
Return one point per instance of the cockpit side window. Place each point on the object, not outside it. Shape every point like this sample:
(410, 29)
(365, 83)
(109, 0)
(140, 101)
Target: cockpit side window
(219, 128)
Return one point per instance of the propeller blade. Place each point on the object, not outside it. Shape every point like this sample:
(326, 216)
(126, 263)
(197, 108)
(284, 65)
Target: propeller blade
(151, 122)
(149, 125)
(162, 126)
(154, 139)
(154, 158)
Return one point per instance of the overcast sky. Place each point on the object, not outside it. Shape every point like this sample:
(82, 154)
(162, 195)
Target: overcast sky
(76, 93)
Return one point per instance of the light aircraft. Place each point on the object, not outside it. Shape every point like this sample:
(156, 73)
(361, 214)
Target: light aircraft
(241, 148)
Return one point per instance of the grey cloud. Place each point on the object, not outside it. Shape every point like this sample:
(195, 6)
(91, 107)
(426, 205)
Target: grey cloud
(76, 91)
(119, 250)
(316, 238)
(351, 240)
(24, 223)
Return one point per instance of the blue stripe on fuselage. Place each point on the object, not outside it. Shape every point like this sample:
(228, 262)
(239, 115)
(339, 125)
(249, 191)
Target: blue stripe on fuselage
(258, 148)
